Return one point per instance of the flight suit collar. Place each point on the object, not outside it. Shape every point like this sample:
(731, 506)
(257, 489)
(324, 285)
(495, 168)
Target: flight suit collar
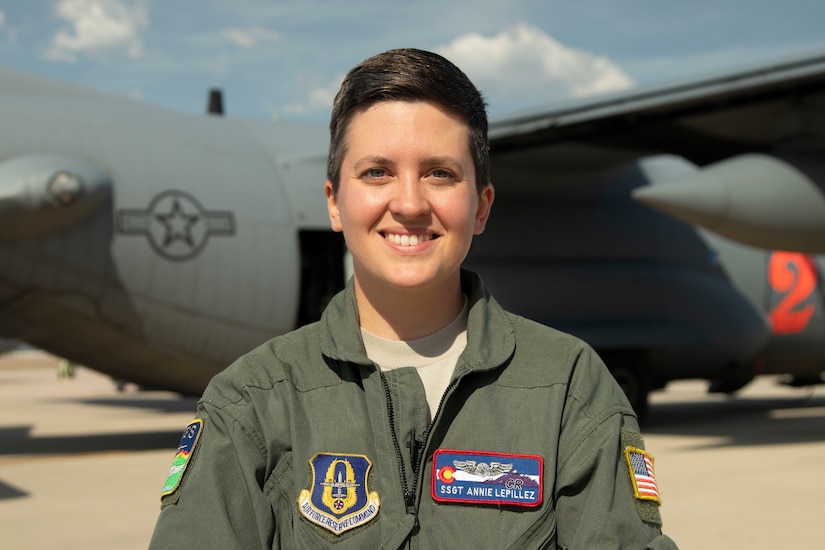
(340, 329)
(491, 341)
(490, 337)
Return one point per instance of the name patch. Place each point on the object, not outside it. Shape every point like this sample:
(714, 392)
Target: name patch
(478, 477)
(339, 498)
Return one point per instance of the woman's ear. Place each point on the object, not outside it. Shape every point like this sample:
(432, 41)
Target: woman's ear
(332, 207)
(485, 203)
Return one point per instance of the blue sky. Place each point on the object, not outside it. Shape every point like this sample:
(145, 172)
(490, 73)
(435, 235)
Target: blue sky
(285, 59)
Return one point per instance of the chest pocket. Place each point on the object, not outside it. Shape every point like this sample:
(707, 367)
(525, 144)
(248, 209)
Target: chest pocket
(541, 534)
(480, 526)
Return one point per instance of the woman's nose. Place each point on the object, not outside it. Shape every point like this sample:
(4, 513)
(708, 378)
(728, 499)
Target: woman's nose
(410, 200)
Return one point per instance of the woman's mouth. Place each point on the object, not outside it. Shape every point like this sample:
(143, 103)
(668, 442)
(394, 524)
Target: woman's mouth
(407, 239)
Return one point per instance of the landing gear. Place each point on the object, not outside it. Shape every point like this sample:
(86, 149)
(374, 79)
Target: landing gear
(728, 385)
(804, 380)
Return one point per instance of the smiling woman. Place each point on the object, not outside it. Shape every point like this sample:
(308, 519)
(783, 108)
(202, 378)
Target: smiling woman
(408, 206)
(401, 418)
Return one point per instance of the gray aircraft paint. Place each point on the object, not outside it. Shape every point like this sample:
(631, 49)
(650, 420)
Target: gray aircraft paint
(208, 235)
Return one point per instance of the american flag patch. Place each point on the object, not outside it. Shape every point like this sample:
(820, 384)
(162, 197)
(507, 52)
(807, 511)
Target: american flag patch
(641, 474)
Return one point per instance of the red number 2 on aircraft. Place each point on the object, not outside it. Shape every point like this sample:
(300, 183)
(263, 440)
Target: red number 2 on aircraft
(794, 275)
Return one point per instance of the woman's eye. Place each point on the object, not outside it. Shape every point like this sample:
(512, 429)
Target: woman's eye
(375, 173)
(441, 174)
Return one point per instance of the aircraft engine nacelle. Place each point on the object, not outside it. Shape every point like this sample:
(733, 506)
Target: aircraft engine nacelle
(42, 194)
(757, 200)
(153, 246)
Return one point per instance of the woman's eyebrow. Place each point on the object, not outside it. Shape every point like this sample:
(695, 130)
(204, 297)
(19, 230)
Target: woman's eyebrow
(441, 160)
(377, 160)
(371, 161)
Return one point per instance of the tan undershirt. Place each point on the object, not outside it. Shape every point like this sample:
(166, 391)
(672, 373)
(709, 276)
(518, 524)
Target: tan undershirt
(434, 357)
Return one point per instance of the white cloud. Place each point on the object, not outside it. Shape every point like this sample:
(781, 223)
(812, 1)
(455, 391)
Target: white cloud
(7, 32)
(98, 28)
(519, 67)
(319, 99)
(250, 37)
(522, 64)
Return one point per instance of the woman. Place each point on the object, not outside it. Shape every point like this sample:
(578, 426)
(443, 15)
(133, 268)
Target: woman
(417, 412)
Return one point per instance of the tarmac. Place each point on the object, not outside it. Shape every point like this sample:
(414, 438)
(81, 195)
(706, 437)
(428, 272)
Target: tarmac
(82, 464)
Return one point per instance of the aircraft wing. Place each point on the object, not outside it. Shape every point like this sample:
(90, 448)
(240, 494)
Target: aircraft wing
(776, 110)
(703, 120)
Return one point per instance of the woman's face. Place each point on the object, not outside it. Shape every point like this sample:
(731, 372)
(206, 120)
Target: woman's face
(407, 200)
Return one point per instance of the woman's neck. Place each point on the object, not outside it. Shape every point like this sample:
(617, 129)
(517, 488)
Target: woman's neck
(408, 314)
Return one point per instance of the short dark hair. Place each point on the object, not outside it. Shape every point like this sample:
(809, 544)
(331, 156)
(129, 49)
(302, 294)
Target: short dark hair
(409, 75)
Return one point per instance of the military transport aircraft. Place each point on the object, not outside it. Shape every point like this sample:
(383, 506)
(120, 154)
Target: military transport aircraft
(673, 228)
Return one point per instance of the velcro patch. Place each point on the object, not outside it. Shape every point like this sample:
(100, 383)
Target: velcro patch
(187, 446)
(478, 477)
(648, 508)
(640, 465)
(339, 498)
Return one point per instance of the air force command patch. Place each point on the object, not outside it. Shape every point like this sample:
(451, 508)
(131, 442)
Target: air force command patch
(187, 446)
(476, 477)
(339, 499)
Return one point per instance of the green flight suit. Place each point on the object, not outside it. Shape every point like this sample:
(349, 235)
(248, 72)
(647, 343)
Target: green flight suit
(519, 388)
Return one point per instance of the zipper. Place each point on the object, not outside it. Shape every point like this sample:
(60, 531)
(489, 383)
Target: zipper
(422, 448)
(417, 449)
(409, 498)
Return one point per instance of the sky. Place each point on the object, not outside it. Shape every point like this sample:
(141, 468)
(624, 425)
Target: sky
(284, 59)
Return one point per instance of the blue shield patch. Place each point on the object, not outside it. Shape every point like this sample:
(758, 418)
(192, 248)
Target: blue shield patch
(339, 498)
(478, 477)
